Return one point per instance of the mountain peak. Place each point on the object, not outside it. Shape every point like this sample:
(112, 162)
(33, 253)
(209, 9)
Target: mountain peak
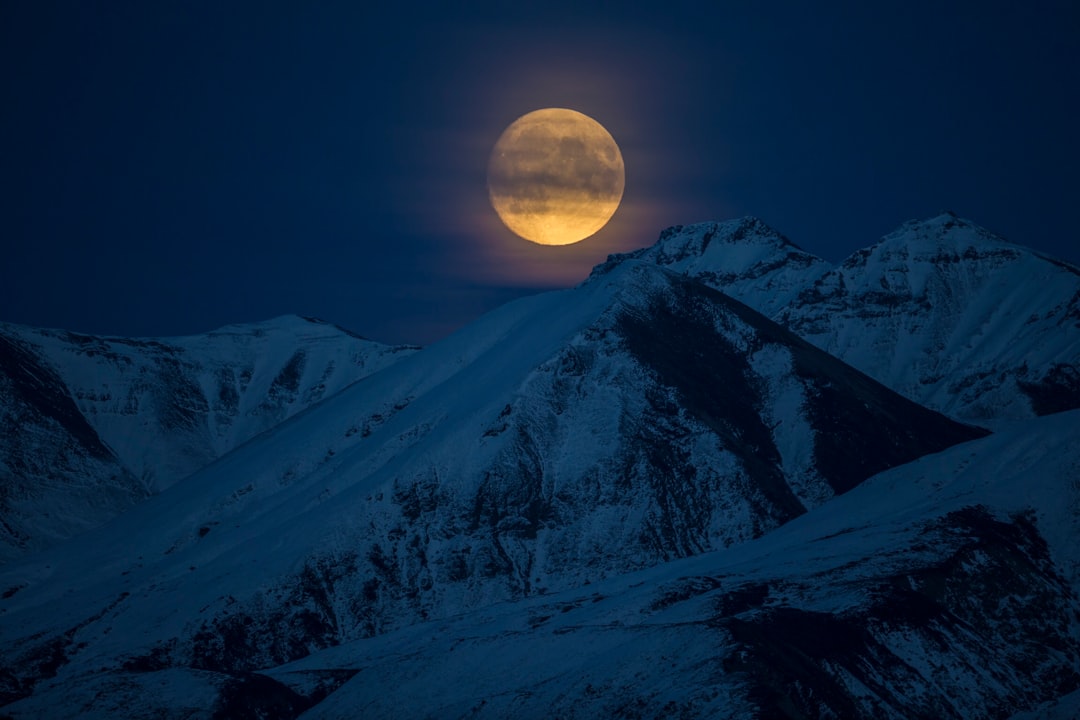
(952, 315)
(740, 257)
(947, 239)
(681, 240)
(940, 309)
(681, 243)
(942, 236)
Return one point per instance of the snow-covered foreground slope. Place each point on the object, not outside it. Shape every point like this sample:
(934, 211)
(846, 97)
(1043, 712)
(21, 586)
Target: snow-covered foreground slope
(148, 412)
(557, 441)
(941, 310)
(945, 588)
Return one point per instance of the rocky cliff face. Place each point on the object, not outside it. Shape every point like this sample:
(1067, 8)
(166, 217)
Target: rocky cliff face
(98, 424)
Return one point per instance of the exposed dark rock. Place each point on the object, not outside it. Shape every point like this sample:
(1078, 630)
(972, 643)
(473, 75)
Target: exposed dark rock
(992, 604)
(1057, 391)
(251, 696)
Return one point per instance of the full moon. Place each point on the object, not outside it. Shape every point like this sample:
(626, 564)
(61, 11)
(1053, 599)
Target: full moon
(555, 176)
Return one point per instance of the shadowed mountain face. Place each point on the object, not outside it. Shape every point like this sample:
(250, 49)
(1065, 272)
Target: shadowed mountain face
(98, 424)
(859, 427)
(987, 605)
(560, 440)
(51, 456)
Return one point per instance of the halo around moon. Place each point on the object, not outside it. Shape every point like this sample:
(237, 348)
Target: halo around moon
(555, 176)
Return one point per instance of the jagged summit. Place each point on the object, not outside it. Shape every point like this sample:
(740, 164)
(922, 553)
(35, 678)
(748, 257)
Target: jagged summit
(743, 257)
(701, 242)
(680, 242)
(953, 316)
(943, 238)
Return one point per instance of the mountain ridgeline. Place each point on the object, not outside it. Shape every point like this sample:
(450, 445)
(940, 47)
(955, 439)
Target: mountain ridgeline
(941, 310)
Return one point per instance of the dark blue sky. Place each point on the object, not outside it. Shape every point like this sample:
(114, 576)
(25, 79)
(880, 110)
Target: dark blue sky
(170, 167)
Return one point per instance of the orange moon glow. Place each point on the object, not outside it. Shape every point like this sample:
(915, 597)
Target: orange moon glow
(555, 176)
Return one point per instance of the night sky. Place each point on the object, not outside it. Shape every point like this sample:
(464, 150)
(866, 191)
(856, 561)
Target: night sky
(170, 167)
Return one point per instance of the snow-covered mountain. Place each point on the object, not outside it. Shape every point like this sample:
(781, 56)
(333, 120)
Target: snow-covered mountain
(97, 424)
(636, 498)
(942, 311)
(559, 440)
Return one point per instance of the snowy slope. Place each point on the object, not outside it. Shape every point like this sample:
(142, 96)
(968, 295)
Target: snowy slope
(945, 588)
(941, 310)
(559, 440)
(158, 409)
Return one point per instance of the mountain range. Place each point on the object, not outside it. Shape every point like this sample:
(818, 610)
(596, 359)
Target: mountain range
(720, 478)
